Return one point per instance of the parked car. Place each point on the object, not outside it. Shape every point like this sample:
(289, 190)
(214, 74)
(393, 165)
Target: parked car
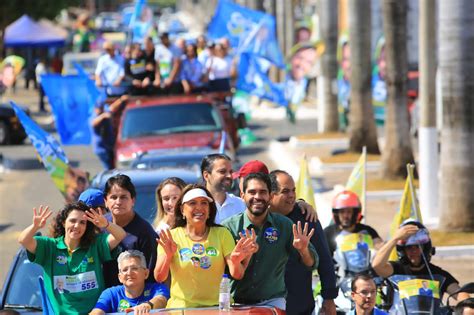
(145, 182)
(173, 122)
(11, 130)
(108, 22)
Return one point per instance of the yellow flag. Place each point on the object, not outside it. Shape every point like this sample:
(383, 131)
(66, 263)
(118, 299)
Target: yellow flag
(408, 209)
(355, 183)
(304, 187)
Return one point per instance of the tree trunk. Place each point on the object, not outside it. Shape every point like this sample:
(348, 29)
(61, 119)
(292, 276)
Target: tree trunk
(456, 55)
(397, 151)
(329, 30)
(362, 131)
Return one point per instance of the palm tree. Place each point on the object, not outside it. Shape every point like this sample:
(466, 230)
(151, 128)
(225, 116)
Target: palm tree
(362, 130)
(397, 151)
(456, 61)
(329, 30)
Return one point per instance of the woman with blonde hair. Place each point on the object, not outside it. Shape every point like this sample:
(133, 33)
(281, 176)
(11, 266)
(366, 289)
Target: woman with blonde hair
(167, 194)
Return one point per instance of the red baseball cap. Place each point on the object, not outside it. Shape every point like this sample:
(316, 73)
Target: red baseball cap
(254, 166)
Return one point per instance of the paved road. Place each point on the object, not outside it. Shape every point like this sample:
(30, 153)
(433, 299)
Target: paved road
(24, 183)
(28, 184)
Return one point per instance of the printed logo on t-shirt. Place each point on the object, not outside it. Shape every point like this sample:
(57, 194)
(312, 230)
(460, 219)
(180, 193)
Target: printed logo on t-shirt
(205, 262)
(198, 249)
(146, 293)
(123, 305)
(271, 235)
(185, 254)
(196, 261)
(211, 251)
(62, 260)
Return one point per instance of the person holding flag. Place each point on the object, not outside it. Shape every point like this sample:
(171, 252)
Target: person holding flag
(346, 210)
(414, 249)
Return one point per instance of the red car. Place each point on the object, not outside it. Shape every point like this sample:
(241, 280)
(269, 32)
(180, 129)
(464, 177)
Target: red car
(169, 122)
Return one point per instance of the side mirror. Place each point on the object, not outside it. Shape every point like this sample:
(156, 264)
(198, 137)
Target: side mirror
(468, 288)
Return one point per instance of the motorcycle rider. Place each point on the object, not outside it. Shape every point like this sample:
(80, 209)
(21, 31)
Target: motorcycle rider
(346, 210)
(414, 250)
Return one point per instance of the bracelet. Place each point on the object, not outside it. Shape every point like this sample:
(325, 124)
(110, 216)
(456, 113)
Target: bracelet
(108, 223)
(151, 304)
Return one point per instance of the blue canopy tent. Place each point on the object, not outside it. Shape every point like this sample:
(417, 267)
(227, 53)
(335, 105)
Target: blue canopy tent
(25, 32)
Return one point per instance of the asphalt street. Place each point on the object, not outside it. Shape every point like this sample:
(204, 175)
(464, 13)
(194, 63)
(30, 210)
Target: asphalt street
(24, 183)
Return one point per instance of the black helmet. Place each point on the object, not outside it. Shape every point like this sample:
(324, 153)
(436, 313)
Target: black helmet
(422, 237)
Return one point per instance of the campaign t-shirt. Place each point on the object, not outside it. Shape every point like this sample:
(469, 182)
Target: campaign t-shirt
(197, 267)
(401, 269)
(332, 231)
(73, 282)
(114, 300)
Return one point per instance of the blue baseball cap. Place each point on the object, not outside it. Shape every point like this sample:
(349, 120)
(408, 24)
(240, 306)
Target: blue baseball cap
(92, 197)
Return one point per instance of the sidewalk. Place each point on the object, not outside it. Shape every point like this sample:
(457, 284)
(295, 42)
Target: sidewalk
(381, 205)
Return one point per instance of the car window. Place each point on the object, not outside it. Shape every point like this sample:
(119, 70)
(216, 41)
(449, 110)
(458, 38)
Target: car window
(145, 204)
(24, 286)
(166, 119)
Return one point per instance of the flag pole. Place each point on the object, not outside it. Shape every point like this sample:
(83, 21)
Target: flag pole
(410, 168)
(364, 185)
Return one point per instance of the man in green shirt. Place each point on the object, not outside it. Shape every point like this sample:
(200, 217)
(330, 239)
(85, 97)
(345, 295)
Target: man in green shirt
(277, 236)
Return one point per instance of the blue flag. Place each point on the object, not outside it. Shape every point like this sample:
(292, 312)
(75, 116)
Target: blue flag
(94, 92)
(254, 80)
(262, 41)
(72, 105)
(247, 30)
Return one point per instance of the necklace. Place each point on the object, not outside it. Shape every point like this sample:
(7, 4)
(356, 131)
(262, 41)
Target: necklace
(197, 238)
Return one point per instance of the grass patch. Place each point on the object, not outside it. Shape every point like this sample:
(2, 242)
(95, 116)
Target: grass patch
(440, 238)
(388, 184)
(322, 136)
(349, 157)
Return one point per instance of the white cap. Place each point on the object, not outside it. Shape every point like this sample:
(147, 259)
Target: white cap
(195, 193)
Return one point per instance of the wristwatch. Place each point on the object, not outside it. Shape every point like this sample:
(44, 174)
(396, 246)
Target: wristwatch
(151, 304)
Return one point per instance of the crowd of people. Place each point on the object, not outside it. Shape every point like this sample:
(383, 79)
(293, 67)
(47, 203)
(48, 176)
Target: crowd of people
(167, 68)
(102, 257)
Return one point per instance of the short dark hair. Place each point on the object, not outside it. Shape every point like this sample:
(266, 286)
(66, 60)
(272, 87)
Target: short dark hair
(258, 176)
(360, 276)
(273, 179)
(121, 180)
(464, 304)
(179, 220)
(58, 229)
(207, 163)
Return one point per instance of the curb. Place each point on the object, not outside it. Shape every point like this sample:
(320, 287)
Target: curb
(455, 251)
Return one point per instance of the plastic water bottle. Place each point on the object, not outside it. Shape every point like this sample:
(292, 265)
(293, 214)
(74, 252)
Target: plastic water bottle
(224, 293)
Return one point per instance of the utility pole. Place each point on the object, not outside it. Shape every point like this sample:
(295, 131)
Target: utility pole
(427, 132)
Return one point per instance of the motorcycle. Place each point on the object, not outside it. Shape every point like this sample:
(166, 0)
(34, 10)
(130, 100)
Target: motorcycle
(420, 295)
(352, 256)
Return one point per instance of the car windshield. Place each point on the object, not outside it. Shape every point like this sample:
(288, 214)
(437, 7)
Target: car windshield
(167, 119)
(145, 204)
(24, 286)
(175, 161)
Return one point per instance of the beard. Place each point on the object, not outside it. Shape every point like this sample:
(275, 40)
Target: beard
(260, 209)
(225, 185)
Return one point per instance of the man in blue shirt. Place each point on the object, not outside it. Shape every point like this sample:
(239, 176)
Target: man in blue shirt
(298, 279)
(134, 293)
(363, 294)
